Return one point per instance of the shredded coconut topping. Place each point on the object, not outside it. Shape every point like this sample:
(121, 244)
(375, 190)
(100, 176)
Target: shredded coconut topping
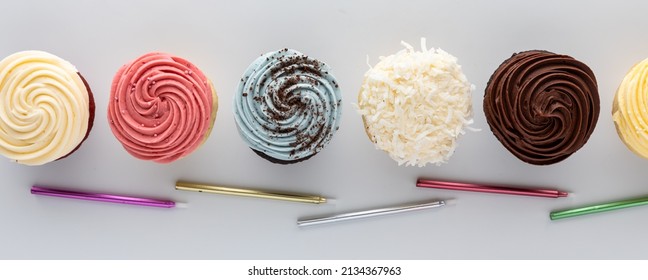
(416, 104)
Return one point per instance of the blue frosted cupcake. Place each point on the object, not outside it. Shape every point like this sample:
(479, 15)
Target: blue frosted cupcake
(287, 106)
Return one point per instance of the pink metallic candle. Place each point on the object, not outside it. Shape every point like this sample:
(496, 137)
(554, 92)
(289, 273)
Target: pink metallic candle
(422, 183)
(103, 197)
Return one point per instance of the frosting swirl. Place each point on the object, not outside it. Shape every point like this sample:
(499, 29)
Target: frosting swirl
(44, 109)
(287, 106)
(161, 107)
(629, 109)
(542, 106)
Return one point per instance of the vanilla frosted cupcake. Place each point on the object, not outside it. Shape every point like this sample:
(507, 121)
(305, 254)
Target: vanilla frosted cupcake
(46, 108)
(287, 106)
(162, 107)
(416, 104)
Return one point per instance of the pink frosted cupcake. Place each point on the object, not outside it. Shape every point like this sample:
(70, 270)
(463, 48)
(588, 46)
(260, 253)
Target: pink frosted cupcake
(161, 107)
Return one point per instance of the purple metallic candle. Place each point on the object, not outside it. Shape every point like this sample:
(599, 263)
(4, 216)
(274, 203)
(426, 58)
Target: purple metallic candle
(103, 197)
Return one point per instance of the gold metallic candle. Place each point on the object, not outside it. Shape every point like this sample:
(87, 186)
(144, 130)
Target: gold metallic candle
(250, 192)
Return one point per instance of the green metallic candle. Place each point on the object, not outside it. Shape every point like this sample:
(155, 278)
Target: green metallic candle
(598, 208)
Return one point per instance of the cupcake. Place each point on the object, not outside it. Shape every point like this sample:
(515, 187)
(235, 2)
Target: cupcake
(162, 107)
(287, 106)
(542, 106)
(415, 105)
(630, 109)
(47, 108)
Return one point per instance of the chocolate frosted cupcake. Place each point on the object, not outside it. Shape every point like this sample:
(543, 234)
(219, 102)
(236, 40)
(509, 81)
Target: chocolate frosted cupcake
(542, 106)
(287, 106)
(47, 108)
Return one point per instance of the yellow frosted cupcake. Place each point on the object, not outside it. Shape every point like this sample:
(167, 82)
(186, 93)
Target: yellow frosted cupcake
(630, 109)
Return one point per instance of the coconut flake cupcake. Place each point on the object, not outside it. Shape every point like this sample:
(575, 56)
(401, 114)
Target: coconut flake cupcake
(416, 104)
(46, 108)
(287, 106)
(162, 107)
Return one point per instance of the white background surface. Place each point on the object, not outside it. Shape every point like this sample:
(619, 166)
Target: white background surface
(223, 38)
